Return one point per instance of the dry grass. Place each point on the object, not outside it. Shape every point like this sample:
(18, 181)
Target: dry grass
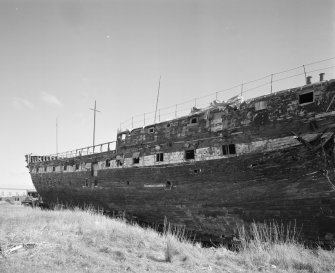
(273, 246)
(83, 241)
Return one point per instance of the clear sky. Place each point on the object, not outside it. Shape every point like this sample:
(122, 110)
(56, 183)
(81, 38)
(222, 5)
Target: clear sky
(57, 57)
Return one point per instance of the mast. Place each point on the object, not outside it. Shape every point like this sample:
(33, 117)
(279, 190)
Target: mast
(94, 110)
(57, 136)
(159, 85)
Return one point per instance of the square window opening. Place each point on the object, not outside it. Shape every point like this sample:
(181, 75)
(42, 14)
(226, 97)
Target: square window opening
(53, 168)
(108, 163)
(189, 154)
(224, 150)
(228, 149)
(159, 157)
(151, 130)
(306, 98)
(119, 163)
(136, 160)
(194, 120)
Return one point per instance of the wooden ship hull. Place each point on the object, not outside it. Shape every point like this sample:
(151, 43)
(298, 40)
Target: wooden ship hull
(267, 159)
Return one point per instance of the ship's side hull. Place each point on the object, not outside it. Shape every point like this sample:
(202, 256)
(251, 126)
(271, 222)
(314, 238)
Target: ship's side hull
(211, 197)
(270, 158)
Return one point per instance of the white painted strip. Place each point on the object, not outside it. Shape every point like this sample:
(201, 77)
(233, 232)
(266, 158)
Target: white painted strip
(323, 115)
(154, 185)
(201, 154)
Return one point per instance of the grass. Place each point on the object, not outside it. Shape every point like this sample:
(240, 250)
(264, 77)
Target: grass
(84, 241)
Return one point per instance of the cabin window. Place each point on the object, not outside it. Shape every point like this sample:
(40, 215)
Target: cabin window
(160, 157)
(136, 157)
(53, 168)
(119, 160)
(260, 105)
(65, 167)
(194, 120)
(306, 97)
(168, 185)
(228, 149)
(151, 130)
(189, 154)
(108, 163)
(136, 160)
(86, 183)
(123, 136)
(96, 183)
(168, 125)
(45, 169)
(37, 169)
(77, 166)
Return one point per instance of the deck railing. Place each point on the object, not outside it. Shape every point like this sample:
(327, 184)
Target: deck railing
(262, 86)
(99, 148)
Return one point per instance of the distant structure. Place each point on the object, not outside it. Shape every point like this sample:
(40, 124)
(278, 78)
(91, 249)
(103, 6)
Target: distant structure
(13, 193)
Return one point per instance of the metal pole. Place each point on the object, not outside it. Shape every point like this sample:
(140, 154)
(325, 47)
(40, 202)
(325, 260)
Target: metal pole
(241, 89)
(132, 122)
(159, 85)
(305, 73)
(216, 96)
(144, 119)
(271, 82)
(175, 112)
(57, 136)
(195, 102)
(95, 109)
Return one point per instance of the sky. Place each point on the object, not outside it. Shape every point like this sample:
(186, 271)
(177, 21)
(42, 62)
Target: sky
(57, 57)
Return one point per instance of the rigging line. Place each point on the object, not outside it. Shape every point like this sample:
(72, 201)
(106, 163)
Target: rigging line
(267, 76)
(320, 61)
(288, 70)
(228, 89)
(321, 69)
(296, 75)
(253, 88)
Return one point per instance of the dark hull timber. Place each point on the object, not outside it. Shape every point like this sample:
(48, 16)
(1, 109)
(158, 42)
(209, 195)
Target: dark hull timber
(290, 187)
(271, 167)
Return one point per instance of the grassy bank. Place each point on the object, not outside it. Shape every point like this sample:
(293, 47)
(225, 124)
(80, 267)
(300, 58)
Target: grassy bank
(32, 240)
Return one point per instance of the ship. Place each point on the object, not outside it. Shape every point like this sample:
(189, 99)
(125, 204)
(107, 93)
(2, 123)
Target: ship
(233, 163)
